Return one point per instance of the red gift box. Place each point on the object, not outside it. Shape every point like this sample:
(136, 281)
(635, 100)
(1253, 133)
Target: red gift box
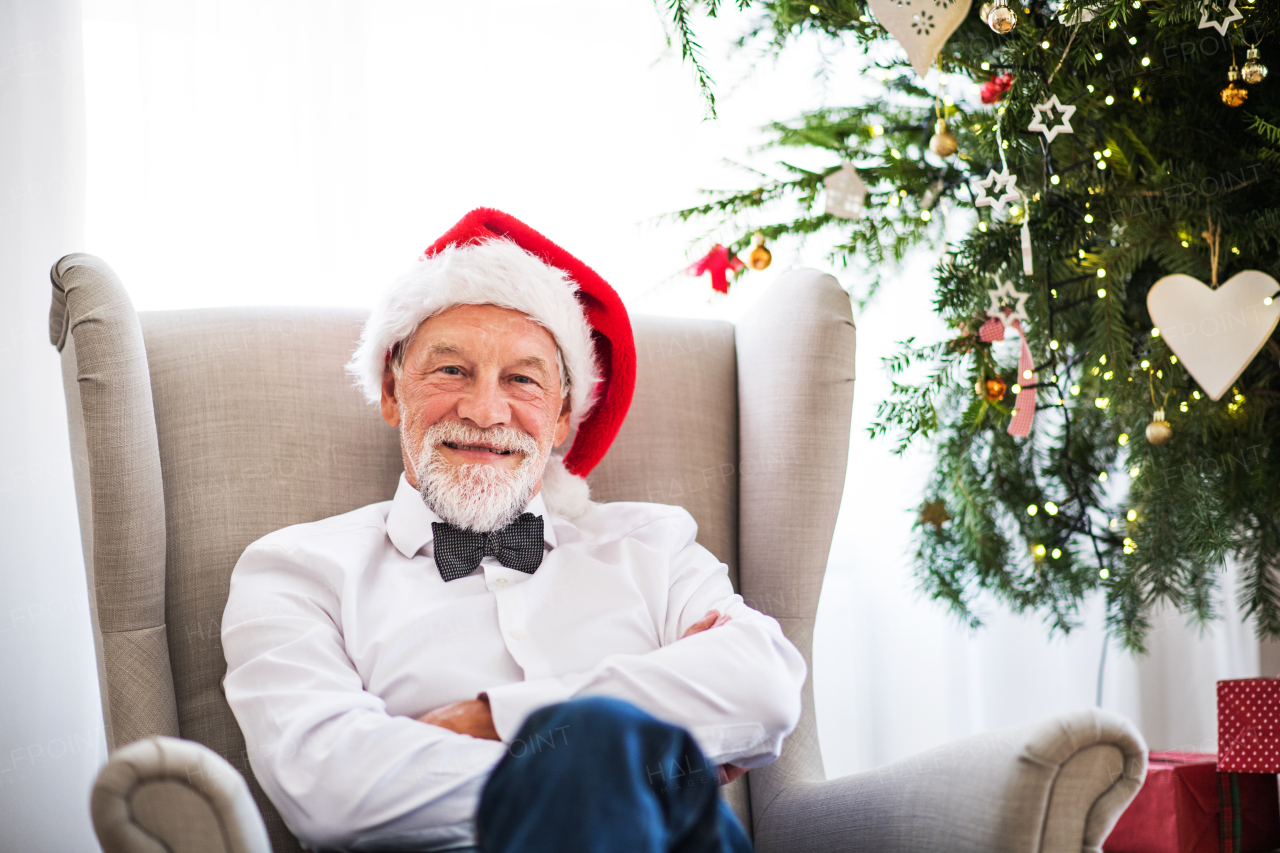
(1177, 809)
(1249, 725)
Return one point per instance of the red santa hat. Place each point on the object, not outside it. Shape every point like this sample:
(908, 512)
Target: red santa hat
(491, 258)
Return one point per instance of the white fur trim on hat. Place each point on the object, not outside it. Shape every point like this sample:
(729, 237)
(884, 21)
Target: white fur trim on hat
(565, 494)
(495, 272)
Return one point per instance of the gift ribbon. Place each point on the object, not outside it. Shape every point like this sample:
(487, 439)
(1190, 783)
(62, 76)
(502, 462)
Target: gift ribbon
(1024, 405)
(1230, 826)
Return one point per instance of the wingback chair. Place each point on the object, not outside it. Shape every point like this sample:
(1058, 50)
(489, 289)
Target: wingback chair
(196, 432)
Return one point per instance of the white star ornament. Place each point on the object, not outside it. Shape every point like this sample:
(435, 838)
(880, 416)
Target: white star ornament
(1044, 114)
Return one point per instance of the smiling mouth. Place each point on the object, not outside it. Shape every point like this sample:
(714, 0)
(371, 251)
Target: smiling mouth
(453, 445)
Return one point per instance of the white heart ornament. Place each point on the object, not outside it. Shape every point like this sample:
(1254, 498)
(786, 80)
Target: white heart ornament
(1216, 333)
(922, 27)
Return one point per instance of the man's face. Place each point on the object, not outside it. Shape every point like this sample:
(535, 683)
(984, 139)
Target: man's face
(479, 406)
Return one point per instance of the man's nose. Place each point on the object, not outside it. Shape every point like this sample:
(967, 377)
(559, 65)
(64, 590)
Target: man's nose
(484, 404)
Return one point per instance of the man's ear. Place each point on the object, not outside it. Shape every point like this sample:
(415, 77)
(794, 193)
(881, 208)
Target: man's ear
(390, 405)
(562, 424)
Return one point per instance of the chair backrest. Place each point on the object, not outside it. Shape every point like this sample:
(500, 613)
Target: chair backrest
(197, 432)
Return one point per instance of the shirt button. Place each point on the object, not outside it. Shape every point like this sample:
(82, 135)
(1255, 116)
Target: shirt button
(517, 634)
(500, 582)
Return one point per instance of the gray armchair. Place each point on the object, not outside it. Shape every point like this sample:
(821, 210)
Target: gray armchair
(196, 432)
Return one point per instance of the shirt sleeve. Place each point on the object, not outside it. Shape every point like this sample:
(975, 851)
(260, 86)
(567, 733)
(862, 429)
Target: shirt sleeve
(327, 753)
(736, 687)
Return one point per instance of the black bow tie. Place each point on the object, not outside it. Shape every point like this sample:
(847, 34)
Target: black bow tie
(517, 546)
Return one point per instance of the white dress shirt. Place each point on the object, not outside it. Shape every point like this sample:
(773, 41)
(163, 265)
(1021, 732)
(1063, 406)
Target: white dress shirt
(339, 633)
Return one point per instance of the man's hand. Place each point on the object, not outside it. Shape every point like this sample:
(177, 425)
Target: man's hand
(471, 717)
(713, 619)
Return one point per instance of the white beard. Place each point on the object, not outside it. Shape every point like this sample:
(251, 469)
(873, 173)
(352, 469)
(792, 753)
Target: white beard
(476, 496)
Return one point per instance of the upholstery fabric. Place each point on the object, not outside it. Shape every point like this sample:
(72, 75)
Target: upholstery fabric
(258, 428)
(163, 795)
(679, 444)
(110, 404)
(1028, 788)
(795, 393)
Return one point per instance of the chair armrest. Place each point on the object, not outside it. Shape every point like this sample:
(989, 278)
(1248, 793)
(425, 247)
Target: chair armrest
(1055, 787)
(165, 795)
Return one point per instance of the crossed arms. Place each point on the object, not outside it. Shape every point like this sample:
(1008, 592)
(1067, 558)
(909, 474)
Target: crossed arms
(346, 770)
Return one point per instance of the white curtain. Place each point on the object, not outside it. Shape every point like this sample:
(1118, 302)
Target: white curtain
(51, 738)
(290, 152)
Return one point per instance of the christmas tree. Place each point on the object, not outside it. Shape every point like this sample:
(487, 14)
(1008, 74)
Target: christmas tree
(1111, 146)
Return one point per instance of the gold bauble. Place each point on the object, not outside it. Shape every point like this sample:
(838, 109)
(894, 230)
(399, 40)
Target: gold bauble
(993, 390)
(1159, 431)
(943, 142)
(1253, 71)
(1233, 95)
(983, 11)
(760, 257)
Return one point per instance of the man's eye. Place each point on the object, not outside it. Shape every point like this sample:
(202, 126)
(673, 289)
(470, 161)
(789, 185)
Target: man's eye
(523, 380)
(452, 371)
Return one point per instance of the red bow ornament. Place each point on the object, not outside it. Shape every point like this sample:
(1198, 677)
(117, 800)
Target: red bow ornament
(719, 263)
(994, 89)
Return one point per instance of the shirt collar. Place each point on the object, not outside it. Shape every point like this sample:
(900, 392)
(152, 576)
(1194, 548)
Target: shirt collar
(409, 521)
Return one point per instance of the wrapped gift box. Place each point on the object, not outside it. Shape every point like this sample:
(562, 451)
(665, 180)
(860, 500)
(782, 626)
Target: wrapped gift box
(1249, 725)
(1177, 809)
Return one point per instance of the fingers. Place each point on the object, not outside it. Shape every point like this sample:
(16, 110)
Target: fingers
(707, 621)
(728, 772)
(713, 619)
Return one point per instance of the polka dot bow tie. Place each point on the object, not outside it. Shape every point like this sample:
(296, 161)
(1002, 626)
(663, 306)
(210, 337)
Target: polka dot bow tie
(517, 546)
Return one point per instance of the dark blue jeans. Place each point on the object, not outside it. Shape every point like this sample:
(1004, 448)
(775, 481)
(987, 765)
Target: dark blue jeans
(601, 776)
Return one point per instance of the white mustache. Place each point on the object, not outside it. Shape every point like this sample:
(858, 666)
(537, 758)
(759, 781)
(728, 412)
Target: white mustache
(498, 439)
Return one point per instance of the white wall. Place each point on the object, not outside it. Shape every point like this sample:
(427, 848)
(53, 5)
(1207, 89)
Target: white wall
(51, 738)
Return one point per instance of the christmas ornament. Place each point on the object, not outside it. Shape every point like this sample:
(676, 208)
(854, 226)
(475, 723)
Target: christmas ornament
(1159, 431)
(993, 390)
(996, 190)
(719, 263)
(1220, 26)
(1006, 304)
(984, 10)
(1002, 19)
(943, 142)
(1078, 16)
(994, 89)
(1215, 332)
(922, 27)
(1024, 234)
(1044, 117)
(846, 193)
(1233, 95)
(1010, 306)
(760, 257)
(1253, 71)
(935, 513)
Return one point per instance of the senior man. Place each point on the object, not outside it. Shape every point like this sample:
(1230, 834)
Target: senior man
(491, 658)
